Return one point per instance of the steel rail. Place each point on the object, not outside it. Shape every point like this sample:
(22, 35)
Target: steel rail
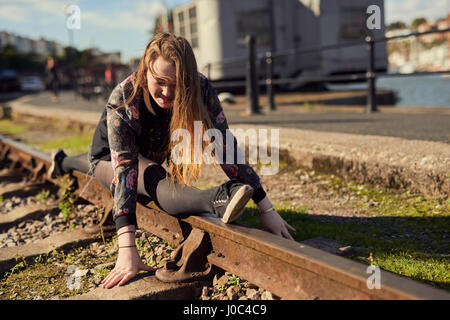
(287, 268)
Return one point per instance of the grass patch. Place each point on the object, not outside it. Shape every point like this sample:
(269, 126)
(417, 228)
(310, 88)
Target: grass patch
(49, 275)
(10, 128)
(420, 253)
(72, 145)
(73, 141)
(390, 202)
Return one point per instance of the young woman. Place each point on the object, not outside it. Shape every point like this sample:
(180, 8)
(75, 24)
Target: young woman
(132, 140)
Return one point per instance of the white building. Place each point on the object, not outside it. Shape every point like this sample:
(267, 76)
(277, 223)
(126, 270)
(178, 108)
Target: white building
(23, 45)
(26, 45)
(6, 39)
(57, 49)
(216, 30)
(39, 47)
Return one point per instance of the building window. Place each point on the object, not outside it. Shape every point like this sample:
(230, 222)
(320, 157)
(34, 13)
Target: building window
(353, 23)
(181, 28)
(192, 13)
(186, 25)
(193, 27)
(194, 42)
(256, 23)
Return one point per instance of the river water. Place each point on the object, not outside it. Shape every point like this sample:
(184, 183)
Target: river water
(432, 90)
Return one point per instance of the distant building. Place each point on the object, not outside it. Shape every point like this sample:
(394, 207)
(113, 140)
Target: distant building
(443, 24)
(216, 30)
(101, 57)
(26, 45)
(23, 45)
(7, 39)
(429, 52)
(425, 27)
(134, 63)
(56, 48)
(39, 47)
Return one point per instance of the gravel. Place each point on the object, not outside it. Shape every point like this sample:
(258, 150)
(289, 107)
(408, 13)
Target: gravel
(32, 230)
(230, 287)
(154, 251)
(12, 203)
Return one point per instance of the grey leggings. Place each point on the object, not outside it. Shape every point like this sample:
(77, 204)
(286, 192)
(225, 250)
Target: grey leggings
(177, 200)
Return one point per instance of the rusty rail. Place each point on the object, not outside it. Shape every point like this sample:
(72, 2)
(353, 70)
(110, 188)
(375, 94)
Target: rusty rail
(288, 269)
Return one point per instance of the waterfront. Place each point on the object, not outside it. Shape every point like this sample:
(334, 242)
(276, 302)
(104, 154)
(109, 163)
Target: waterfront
(432, 91)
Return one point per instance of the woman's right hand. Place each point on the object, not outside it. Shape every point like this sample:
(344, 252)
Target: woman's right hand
(128, 265)
(128, 262)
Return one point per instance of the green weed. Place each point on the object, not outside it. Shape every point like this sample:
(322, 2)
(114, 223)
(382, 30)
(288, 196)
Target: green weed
(234, 280)
(43, 195)
(67, 204)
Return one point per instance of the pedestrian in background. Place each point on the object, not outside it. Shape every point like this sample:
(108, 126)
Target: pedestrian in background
(53, 80)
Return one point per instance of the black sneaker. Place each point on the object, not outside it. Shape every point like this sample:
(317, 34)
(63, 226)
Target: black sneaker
(56, 167)
(230, 200)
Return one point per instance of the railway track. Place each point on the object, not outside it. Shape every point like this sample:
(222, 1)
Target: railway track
(288, 269)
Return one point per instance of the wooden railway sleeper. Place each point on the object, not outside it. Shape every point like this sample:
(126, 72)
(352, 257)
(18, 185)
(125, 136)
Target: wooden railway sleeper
(105, 225)
(38, 173)
(4, 153)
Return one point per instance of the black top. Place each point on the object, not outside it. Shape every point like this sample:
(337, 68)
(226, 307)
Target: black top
(124, 131)
(151, 142)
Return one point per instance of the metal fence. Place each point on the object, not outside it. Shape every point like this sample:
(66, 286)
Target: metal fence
(269, 58)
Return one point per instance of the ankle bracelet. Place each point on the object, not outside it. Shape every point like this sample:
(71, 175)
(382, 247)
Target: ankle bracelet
(127, 247)
(125, 232)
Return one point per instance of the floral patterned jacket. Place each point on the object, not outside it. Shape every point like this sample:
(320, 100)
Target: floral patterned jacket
(125, 132)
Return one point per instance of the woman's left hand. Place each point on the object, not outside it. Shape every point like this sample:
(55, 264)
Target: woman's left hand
(273, 222)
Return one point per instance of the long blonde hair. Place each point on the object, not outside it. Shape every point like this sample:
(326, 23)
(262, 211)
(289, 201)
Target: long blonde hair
(188, 105)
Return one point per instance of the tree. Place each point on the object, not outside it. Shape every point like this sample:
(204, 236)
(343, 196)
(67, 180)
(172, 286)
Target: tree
(158, 27)
(396, 25)
(417, 22)
(21, 62)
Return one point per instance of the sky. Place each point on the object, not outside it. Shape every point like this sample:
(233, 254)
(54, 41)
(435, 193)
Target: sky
(117, 25)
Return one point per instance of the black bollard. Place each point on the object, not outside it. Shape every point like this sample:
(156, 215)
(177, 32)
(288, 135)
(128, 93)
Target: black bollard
(370, 76)
(269, 84)
(251, 87)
